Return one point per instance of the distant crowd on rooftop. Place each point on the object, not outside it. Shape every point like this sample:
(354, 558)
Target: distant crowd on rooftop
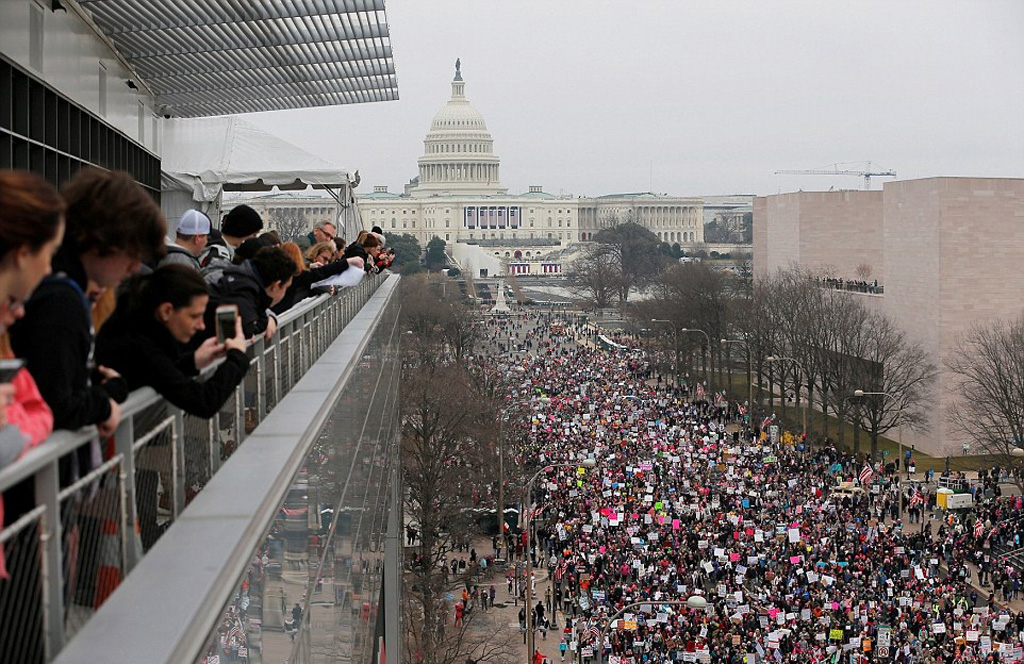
(855, 285)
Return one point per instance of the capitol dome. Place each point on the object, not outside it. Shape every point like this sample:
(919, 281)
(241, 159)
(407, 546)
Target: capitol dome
(458, 115)
(458, 151)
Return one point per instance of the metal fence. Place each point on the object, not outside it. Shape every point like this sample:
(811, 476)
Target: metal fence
(74, 543)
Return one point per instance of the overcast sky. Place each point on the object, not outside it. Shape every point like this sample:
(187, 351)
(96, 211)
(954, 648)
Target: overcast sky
(695, 97)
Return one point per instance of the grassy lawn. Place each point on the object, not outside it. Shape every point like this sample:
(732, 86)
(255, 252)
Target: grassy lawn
(792, 423)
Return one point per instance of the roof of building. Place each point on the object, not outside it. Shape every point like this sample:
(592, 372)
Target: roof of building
(380, 195)
(637, 194)
(202, 57)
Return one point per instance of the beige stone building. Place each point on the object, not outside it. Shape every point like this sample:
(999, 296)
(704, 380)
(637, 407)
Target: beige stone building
(946, 253)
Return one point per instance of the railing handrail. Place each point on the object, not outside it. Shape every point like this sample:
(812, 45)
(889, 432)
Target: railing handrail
(179, 588)
(304, 332)
(60, 443)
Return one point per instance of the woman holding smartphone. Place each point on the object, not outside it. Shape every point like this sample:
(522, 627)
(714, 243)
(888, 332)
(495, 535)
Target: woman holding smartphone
(145, 340)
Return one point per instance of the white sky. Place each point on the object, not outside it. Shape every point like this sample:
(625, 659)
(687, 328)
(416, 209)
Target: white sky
(695, 97)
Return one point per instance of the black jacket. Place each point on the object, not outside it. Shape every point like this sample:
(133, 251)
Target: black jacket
(299, 289)
(356, 250)
(55, 340)
(240, 285)
(145, 353)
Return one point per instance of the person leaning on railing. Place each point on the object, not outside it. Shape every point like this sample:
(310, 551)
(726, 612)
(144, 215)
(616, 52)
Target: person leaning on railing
(302, 283)
(112, 224)
(254, 286)
(31, 229)
(146, 341)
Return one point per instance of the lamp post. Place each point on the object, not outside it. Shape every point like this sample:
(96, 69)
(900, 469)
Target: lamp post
(675, 346)
(773, 358)
(586, 463)
(695, 602)
(501, 461)
(862, 393)
(750, 375)
(707, 374)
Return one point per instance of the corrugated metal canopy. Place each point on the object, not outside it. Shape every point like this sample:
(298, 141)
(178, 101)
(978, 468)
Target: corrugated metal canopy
(220, 57)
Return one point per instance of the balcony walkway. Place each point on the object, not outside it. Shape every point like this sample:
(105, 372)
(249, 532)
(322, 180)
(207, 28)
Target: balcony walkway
(144, 558)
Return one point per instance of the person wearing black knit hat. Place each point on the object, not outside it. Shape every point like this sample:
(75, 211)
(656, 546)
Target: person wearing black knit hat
(240, 224)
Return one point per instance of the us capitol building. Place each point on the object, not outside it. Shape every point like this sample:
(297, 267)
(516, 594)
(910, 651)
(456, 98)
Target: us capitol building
(458, 197)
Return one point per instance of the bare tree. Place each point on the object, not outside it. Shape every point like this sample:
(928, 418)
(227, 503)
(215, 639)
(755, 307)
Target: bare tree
(290, 224)
(900, 369)
(990, 373)
(594, 276)
(443, 325)
(444, 466)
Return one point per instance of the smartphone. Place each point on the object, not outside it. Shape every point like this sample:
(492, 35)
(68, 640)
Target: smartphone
(226, 315)
(10, 368)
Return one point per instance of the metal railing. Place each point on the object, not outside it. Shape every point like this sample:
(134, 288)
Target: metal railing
(74, 544)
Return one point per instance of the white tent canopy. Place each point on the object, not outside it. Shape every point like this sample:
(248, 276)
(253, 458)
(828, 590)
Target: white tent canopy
(207, 156)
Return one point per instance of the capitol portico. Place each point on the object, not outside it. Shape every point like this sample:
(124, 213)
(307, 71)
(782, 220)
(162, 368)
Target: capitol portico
(458, 197)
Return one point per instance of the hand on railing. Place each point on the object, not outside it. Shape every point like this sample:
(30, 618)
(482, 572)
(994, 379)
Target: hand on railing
(107, 427)
(268, 334)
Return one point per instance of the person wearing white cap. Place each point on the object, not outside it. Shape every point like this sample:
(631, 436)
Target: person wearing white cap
(190, 239)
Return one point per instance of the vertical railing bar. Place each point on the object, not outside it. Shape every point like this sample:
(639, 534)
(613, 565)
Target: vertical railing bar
(47, 489)
(178, 462)
(124, 437)
(261, 393)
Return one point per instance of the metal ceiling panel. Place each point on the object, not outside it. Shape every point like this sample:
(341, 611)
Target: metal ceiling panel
(213, 57)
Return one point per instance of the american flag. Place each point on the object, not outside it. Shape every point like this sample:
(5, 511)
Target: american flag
(979, 528)
(916, 499)
(866, 474)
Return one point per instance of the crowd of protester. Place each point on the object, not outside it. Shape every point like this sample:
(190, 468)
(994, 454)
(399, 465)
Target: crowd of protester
(798, 553)
(856, 285)
(95, 301)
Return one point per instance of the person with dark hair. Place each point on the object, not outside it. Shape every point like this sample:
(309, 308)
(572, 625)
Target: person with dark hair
(112, 225)
(146, 340)
(366, 246)
(270, 239)
(31, 229)
(240, 224)
(254, 286)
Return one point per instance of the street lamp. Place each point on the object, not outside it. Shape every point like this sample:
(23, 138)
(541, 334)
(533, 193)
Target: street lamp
(501, 461)
(675, 346)
(586, 463)
(707, 374)
(695, 602)
(750, 374)
(862, 393)
(773, 358)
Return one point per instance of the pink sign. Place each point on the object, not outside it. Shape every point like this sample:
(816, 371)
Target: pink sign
(675, 524)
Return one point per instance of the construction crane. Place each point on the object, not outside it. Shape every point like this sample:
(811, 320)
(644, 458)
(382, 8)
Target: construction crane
(868, 172)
